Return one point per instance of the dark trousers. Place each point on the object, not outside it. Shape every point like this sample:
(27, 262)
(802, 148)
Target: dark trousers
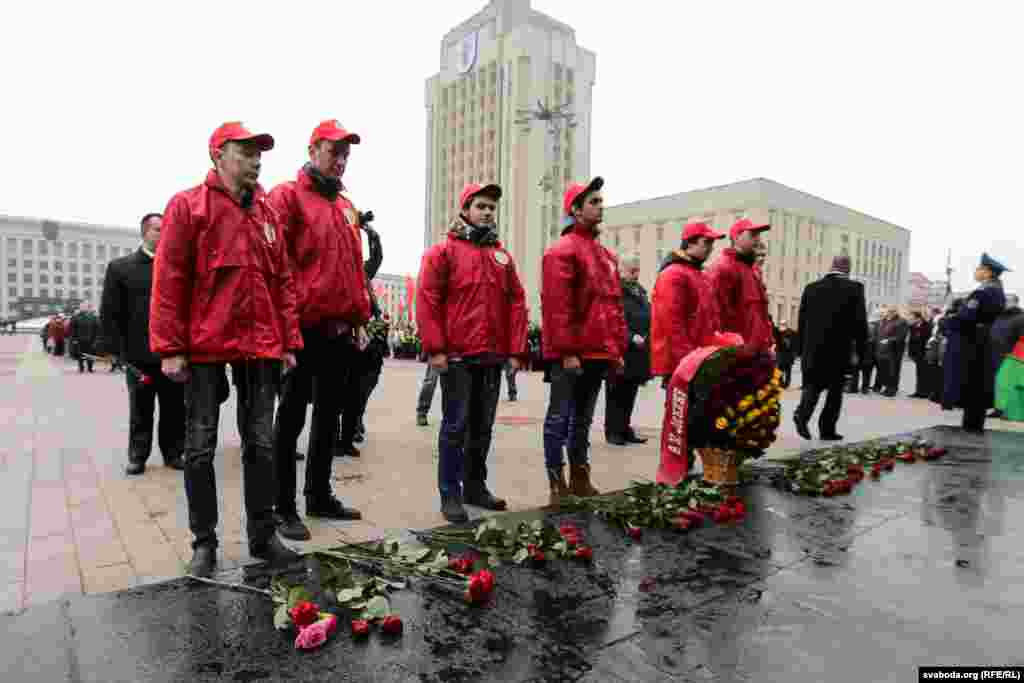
(571, 406)
(142, 399)
(829, 416)
(58, 347)
(619, 401)
(426, 396)
(202, 411)
(889, 370)
(366, 374)
(510, 379)
(84, 362)
(787, 374)
(922, 378)
(323, 377)
(469, 403)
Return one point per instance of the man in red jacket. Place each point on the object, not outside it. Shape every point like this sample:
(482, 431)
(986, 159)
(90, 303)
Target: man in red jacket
(223, 293)
(332, 304)
(683, 310)
(583, 332)
(471, 314)
(741, 294)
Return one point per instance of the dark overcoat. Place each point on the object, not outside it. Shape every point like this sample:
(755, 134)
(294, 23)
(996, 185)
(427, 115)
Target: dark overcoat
(833, 314)
(636, 307)
(124, 311)
(976, 316)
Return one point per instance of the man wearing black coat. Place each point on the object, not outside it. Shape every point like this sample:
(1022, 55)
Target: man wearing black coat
(620, 394)
(833, 313)
(124, 314)
(920, 333)
(85, 330)
(785, 351)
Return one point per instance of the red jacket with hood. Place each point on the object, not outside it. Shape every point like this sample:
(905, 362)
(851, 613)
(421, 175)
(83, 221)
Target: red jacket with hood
(742, 299)
(581, 299)
(326, 256)
(469, 299)
(683, 314)
(222, 283)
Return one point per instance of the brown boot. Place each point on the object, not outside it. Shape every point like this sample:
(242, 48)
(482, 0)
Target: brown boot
(579, 481)
(559, 487)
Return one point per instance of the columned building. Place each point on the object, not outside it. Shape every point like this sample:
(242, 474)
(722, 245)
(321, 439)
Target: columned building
(494, 67)
(51, 264)
(807, 231)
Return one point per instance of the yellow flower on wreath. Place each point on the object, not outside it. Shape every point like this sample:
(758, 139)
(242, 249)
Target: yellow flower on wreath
(721, 423)
(762, 394)
(730, 412)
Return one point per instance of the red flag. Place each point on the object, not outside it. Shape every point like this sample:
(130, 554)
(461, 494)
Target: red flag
(410, 294)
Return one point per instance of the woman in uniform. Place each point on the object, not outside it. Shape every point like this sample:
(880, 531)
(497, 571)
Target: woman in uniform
(980, 309)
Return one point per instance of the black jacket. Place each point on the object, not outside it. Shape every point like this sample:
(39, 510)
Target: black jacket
(892, 338)
(918, 339)
(85, 330)
(124, 311)
(636, 307)
(833, 313)
(1006, 330)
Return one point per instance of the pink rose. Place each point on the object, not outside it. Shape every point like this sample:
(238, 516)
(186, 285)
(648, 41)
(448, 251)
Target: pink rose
(311, 637)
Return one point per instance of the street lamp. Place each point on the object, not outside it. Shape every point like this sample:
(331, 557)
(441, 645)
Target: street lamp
(555, 118)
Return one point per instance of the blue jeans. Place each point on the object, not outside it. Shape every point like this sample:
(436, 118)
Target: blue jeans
(571, 412)
(469, 403)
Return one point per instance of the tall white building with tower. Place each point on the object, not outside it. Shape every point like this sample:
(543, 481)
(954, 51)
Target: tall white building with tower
(511, 104)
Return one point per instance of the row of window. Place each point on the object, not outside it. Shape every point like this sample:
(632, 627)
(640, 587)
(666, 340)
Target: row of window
(44, 292)
(73, 249)
(44, 279)
(72, 266)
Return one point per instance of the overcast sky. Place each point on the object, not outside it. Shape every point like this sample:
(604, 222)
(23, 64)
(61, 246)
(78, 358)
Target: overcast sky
(909, 111)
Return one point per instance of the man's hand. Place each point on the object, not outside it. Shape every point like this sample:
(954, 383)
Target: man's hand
(516, 363)
(638, 340)
(362, 338)
(571, 363)
(175, 368)
(619, 367)
(439, 361)
(289, 361)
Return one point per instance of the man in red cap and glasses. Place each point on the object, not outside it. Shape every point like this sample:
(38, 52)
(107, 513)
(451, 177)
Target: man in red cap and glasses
(322, 239)
(223, 293)
(584, 335)
(471, 314)
(740, 292)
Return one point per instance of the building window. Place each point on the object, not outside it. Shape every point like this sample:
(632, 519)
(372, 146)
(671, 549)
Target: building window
(44, 279)
(12, 263)
(73, 250)
(26, 246)
(87, 294)
(44, 248)
(44, 265)
(74, 293)
(87, 282)
(72, 267)
(29, 291)
(27, 278)
(58, 249)
(12, 291)
(101, 251)
(58, 265)
(59, 293)
(58, 279)
(44, 292)
(12, 277)
(87, 267)
(12, 244)
(73, 279)
(28, 263)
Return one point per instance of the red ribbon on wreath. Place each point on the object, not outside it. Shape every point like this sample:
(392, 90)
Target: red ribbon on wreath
(674, 450)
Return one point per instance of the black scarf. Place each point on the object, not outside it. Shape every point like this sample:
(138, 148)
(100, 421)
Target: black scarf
(480, 235)
(326, 186)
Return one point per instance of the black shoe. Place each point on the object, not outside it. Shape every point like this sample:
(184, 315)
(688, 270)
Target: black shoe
(916, 396)
(352, 452)
(359, 437)
(299, 455)
(865, 390)
(331, 508)
(631, 437)
(801, 428)
(479, 496)
(421, 420)
(451, 508)
(615, 439)
(204, 561)
(512, 398)
(889, 394)
(995, 415)
(291, 527)
(134, 467)
(175, 463)
(831, 437)
(274, 552)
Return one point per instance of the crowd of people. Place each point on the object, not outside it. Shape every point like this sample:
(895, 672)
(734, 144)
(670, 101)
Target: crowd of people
(268, 294)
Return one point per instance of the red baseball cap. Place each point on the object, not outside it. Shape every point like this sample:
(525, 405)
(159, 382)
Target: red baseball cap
(745, 224)
(695, 230)
(333, 131)
(234, 131)
(577, 190)
(472, 190)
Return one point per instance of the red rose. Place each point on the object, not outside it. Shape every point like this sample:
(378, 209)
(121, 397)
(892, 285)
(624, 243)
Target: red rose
(486, 577)
(304, 613)
(567, 529)
(585, 552)
(634, 532)
(392, 625)
(461, 565)
(696, 518)
(146, 379)
(732, 500)
(360, 627)
(889, 465)
(681, 523)
(479, 586)
(739, 509)
(721, 515)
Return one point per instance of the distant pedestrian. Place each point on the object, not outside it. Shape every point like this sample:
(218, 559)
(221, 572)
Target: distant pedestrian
(85, 331)
(917, 342)
(833, 314)
(786, 351)
(892, 340)
(949, 353)
(621, 391)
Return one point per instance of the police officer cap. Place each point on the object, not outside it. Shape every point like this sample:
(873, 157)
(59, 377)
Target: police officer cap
(995, 266)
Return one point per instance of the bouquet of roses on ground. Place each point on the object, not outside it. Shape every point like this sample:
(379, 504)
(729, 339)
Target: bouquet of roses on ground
(734, 399)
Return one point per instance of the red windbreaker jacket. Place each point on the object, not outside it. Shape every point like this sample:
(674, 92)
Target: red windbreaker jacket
(326, 254)
(222, 283)
(683, 314)
(470, 301)
(741, 299)
(581, 299)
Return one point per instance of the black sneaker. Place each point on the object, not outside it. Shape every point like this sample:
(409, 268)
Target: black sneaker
(274, 552)
(451, 508)
(204, 561)
(134, 468)
(291, 527)
(331, 508)
(175, 463)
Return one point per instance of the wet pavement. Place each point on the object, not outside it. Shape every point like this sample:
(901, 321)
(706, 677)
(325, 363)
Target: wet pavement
(925, 567)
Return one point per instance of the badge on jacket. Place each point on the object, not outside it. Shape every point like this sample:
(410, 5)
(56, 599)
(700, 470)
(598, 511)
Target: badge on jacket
(501, 257)
(268, 232)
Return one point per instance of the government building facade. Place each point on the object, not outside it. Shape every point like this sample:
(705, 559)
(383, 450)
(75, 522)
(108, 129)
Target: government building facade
(48, 266)
(807, 232)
